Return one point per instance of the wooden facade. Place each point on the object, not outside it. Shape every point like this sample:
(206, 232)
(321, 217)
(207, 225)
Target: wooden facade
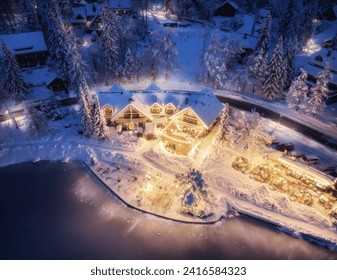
(33, 59)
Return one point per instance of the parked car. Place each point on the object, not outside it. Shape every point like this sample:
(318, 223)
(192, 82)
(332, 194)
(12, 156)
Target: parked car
(285, 146)
(294, 155)
(311, 159)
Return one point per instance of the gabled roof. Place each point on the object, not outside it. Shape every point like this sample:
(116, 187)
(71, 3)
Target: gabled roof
(40, 76)
(207, 106)
(21, 43)
(152, 87)
(116, 89)
(231, 3)
(79, 15)
(204, 103)
(120, 4)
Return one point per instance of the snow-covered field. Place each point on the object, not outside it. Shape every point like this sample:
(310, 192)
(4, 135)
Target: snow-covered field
(143, 173)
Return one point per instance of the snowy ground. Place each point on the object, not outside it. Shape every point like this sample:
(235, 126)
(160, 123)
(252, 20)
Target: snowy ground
(62, 142)
(143, 173)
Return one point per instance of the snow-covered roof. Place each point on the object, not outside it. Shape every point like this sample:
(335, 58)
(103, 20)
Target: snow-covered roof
(207, 106)
(248, 25)
(324, 56)
(120, 4)
(39, 76)
(204, 103)
(233, 4)
(153, 87)
(117, 89)
(22, 43)
(247, 41)
(314, 71)
(79, 15)
(92, 9)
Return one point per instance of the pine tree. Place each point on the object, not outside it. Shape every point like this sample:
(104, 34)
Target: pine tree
(100, 128)
(65, 8)
(86, 111)
(36, 121)
(215, 66)
(274, 81)
(263, 42)
(289, 62)
(30, 13)
(108, 42)
(298, 92)
(130, 66)
(13, 82)
(138, 68)
(259, 66)
(319, 92)
(163, 52)
(223, 133)
(306, 26)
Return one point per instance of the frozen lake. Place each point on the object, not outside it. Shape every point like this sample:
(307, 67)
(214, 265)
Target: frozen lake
(59, 211)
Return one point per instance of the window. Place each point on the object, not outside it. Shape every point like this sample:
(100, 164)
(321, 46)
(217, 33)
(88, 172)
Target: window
(169, 110)
(108, 112)
(131, 113)
(190, 120)
(155, 109)
(319, 58)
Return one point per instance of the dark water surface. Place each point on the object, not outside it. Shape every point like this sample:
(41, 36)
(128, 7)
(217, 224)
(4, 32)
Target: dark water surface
(60, 211)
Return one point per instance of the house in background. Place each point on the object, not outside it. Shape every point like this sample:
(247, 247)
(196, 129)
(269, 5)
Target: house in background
(85, 15)
(227, 9)
(79, 17)
(317, 63)
(120, 6)
(29, 48)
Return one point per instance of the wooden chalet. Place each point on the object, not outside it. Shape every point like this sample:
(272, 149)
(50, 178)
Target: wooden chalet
(121, 7)
(29, 48)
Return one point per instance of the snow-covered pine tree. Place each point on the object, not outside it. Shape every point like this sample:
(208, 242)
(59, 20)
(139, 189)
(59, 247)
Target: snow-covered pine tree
(138, 68)
(36, 122)
(298, 92)
(289, 62)
(30, 13)
(108, 42)
(169, 53)
(77, 67)
(306, 26)
(274, 80)
(319, 92)
(65, 9)
(259, 66)
(101, 130)
(286, 16)
(86, 112)
(263, 41)
(13, 82)
(130, 66)
(223, 133)
(214, 64)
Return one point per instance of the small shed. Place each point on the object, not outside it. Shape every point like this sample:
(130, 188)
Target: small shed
(56, 83)
(29, 48)
(227, 9)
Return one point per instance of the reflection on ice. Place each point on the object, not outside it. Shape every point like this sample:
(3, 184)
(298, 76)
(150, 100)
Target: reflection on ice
(100, 227)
